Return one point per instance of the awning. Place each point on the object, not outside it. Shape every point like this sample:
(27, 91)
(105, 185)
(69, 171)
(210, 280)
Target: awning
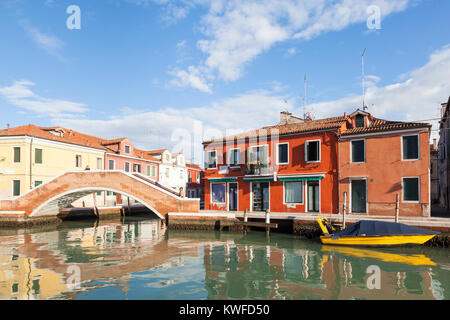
(222, 179)
(300, 178)
(268, 179)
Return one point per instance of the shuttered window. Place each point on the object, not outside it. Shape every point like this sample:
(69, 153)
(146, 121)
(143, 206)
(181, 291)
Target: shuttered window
(234, 157)
(16, 154)
(358, 151)
(38, 156)
(210, 159)
(283, 153)
(410, 189)
(16, 188)
(410, 147)
(312, 151)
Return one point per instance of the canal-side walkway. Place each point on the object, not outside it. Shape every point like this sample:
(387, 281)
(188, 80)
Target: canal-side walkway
(298, 223)
(431, 222)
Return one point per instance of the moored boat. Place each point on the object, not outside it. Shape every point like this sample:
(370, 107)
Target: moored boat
(375, 233)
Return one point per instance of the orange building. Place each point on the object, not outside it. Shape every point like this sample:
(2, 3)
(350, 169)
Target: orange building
(304, 165)
(379, 159)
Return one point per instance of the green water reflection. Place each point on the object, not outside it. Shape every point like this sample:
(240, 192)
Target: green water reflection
(135, 259)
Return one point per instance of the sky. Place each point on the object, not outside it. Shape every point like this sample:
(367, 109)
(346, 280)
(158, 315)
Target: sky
(170, 73)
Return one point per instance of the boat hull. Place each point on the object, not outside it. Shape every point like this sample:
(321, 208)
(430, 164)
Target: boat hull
(376, 241)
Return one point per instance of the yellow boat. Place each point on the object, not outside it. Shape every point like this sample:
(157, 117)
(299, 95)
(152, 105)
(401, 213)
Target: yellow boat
(374, 233)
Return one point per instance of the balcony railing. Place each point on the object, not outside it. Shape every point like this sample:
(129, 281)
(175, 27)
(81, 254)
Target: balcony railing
(258, 169)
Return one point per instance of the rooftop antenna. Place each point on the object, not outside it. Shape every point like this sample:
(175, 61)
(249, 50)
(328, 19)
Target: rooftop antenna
(304, 97)
(362, 80)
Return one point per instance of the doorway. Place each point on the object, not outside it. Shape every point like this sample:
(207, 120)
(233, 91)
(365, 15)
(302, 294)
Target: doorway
(261, 196)
(313, 189)
(233, 196)
(359, 195)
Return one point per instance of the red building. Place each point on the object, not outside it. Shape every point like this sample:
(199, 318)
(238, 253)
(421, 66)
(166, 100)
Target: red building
(289, 167)
(295, 166)
(196, 183)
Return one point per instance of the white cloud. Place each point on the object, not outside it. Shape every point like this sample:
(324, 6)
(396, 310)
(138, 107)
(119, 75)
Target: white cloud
(416, 98)
(193, 77)
(159, 129)
(20, 95)
(238, 31)
(52, 44)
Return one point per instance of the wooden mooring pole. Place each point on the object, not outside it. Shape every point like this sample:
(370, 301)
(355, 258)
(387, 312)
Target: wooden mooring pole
(396, 207)
(344, 209)
(267, 222)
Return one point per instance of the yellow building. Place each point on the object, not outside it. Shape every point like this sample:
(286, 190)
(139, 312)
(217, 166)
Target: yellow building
(31, 155)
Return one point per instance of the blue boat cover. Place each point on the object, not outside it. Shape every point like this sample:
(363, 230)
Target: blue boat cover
(381, 228)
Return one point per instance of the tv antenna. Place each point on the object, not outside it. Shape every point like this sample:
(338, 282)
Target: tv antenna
(362, 81)
(304, 97)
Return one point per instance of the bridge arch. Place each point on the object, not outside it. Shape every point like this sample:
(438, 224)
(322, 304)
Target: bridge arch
(51, 204)
(49, 198)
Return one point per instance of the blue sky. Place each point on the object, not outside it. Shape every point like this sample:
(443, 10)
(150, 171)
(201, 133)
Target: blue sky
(167, 73)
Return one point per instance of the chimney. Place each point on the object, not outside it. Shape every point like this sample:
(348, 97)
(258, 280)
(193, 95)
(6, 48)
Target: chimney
(284, 117)
(434, 144)
(7, 126)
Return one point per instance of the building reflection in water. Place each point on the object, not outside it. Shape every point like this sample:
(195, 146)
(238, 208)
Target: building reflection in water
(35, 265)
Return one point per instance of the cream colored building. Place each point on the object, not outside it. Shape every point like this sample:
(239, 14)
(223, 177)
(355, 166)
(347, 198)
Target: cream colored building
(31, 155)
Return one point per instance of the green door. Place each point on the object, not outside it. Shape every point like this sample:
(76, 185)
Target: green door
(313, 196)
(359, 196)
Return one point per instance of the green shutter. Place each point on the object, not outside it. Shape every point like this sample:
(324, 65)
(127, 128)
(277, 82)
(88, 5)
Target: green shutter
(37, 183)
(148, 170)
(16, 188)
(16, 154)
(37, 155)
(154, 171)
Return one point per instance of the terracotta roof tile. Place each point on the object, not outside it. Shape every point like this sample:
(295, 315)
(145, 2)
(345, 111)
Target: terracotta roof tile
(307, 126)
(380, 125)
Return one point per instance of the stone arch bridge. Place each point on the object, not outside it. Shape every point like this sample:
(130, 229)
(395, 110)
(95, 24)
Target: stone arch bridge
(49, 198)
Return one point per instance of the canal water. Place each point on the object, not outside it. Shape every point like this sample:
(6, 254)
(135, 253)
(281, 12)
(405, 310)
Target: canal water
(134, 259)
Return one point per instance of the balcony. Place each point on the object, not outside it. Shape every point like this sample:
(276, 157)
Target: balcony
(258, 169)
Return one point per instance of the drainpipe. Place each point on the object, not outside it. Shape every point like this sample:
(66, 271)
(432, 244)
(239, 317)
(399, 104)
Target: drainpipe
(31, 163)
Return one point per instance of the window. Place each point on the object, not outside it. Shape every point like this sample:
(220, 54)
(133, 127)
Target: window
(358, 152)
(234, 157)
(111, 164)
(127, 166)
(37, 183)
(149, 170)
(16, 154)
(410, 189)
(38, 156)
(283, 153)
(189, 178)
(99, 193)
(181, 175)
(359, 121)
(127, 149)
(99, 163)
(78, 161)
(109, 193)
(258, 154)
(167, 173)
(198, 177)
(211, 159)
(16, 188)
(153, 171)
(410, 147)
(218, 192)
(312, 153)
(137, 168)
(293, 192)
(167, 157)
